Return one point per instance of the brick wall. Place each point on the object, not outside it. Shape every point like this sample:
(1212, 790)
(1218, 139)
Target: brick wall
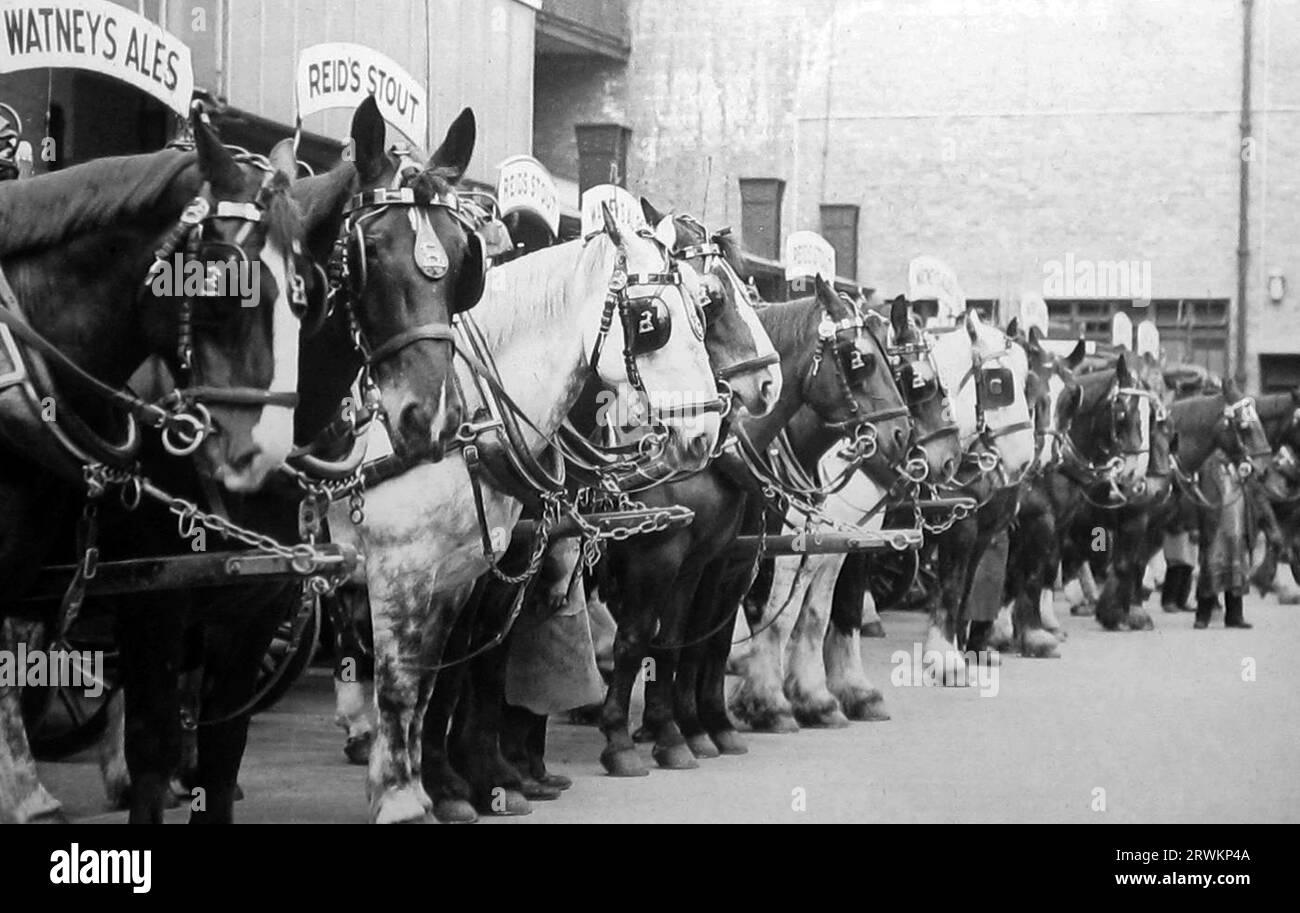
(1000, 136)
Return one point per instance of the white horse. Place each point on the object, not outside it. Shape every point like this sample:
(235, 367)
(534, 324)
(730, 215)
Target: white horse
(421, 537)
(800, 669)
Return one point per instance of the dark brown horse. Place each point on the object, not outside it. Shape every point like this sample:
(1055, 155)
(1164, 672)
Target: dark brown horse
(87, 254)
(685, 583)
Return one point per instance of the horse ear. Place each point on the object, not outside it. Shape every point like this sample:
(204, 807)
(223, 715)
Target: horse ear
(1035, 336)
(1231, 391)
(1013, 328)
(972, 325)
(652, 215)
(215, 161)
(611, 224)
(825, 293)
(898, 315)
(665, 232)
(1076, 356)
(1173, 444)
(368, 133)
(1122, 374)
(283, 160)
(458, 146)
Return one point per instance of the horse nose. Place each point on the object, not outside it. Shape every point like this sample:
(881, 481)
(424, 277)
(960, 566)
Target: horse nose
(949, 468)
(767, 390)
(241, 457)
(414, 422)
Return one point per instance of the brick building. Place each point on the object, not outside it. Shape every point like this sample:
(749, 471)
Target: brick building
(1086, 150)
(1089, 151)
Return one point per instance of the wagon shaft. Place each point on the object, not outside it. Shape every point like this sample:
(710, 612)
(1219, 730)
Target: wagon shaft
(832, 543)
(178, 572)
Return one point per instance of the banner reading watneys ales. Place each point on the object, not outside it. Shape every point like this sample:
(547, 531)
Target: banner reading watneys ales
(101, 37)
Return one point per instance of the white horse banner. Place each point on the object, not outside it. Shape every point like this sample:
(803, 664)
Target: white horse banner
(931, 278)
(808, 254)
(343, 75)
(101, 37)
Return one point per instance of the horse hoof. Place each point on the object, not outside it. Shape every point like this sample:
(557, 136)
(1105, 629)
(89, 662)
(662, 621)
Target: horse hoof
(1137, 620)
(537, 791)
(702, 746)
(729, 742)
(556, 781)
(1039, 644)
(454, 811)
(1083, 609)
(357, 748)
(675, 757)
(643, 736)
(505, 803)
(623, 762)
(779, 721)
(822, 717)
(867, 707)
(873, 629)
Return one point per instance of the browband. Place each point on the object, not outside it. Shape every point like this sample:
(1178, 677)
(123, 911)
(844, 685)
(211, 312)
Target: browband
(697, 250)
(249, 212)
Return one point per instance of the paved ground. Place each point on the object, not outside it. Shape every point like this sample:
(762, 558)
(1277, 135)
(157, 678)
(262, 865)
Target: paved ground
(1162, 722)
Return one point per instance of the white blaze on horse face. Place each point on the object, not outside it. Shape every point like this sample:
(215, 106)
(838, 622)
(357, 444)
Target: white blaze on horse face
(1055, 388)
(953, 356)
(1142, 459)
(273, 433)
(770, 379)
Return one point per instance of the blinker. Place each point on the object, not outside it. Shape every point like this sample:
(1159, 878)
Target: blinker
(648, 324)
(997, 388)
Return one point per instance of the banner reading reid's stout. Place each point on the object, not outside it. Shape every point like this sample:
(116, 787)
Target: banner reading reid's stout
(98, 36)
(342, 75)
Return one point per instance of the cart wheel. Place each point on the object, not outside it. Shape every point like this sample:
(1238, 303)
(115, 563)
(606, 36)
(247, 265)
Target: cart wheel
(891, 577)
(284, 663)
(62, 721)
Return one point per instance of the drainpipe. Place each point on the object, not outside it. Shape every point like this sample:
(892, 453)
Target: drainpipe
(1243, 192)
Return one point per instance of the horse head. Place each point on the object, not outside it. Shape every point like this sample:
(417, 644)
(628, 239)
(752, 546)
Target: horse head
(998, 375)
(849, 384)
(742, 354)
(1241, 436)
(404, 258)
(935, 452)
(236, 361)
(665, 367)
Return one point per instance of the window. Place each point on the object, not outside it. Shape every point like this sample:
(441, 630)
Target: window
(840, 228)
(1192, 330)
(760, 215)
(1279, 373)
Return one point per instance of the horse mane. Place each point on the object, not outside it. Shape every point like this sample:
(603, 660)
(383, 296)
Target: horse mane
(42, 212)
(546, 277)
(787, 322)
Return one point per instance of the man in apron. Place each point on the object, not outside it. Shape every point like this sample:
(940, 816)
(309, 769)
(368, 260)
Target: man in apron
(1225, 542)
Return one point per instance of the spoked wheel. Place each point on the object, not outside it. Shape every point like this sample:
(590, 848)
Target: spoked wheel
(289, 655)
(891, 576)
(65, 719)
